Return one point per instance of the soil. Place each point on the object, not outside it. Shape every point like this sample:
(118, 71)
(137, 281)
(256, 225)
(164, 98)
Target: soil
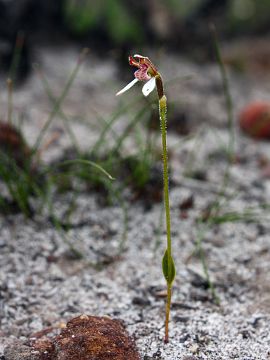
(42, 283)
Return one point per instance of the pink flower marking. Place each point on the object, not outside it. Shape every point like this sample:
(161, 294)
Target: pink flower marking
(146, 72)
(142, 73)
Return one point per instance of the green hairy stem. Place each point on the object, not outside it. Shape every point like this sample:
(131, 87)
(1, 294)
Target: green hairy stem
(167, 263)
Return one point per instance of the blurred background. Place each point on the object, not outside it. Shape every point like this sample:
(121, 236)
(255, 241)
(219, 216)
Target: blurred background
(113, 27)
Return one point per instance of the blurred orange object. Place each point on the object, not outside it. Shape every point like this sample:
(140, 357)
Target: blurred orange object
(254, 120)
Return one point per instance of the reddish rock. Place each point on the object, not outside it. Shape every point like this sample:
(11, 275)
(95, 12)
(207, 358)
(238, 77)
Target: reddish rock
(254, 120)
(90, 337)
(85, 338)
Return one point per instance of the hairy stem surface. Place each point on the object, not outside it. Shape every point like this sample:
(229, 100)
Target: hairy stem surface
(169, 270)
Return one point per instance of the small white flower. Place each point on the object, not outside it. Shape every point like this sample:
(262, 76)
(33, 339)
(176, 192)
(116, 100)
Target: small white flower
(146, 72)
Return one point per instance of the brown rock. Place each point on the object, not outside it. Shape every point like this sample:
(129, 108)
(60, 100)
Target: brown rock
(85, 338)
(12, 143)
(91, 337)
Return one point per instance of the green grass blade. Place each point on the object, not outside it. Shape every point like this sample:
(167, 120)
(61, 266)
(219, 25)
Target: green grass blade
(86, 162)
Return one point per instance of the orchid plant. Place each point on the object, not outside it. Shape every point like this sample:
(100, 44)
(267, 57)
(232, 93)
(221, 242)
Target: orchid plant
(149, 74)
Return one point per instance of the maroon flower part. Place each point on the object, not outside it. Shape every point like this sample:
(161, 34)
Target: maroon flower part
(146, 72)
(141, 61)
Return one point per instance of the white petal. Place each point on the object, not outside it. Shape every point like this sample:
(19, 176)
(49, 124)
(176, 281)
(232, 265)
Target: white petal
(133, 82)
(149, 86)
